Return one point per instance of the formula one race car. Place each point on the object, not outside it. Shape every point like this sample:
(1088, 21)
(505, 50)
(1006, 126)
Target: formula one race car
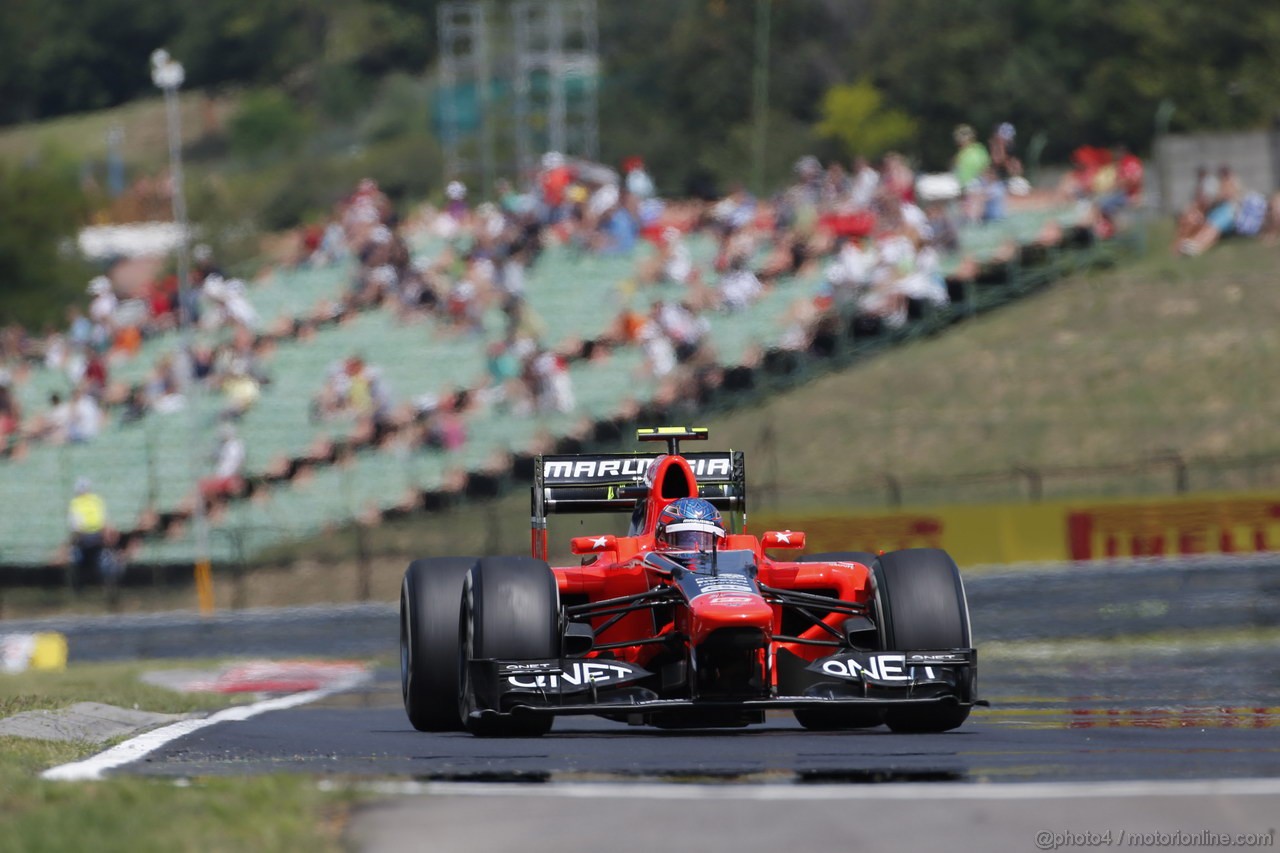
(681, 622)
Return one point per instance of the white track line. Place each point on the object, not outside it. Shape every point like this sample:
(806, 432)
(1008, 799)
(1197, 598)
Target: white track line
(133, 749)
(891, 791)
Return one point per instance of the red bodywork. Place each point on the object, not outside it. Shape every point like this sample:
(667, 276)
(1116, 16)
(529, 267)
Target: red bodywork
(618, 570)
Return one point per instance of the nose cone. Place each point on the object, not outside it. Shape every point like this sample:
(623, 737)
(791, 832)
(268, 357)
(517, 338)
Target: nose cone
(717, 610)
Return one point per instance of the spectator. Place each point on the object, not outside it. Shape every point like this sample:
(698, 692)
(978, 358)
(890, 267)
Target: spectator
(135, 405)
(102, 312)
(456, 206)
(992, 191)
(942, 228)
(897, 178)
(552, 382)
(52, 426)
(1191, 217)
(228, 462)
(739, 287)
(95, 375)
(865, 183)
(674, 263)
(638, 182)
(332, 398)
(230, 304)
(445, 430)
(503, 368)
(85, 417)
(1220, 219)
(87, 522)
(1008, 167)
(10, 410)
(659, 351)
(164, 388)
(620, 228)
(970, 162)
(240, 389)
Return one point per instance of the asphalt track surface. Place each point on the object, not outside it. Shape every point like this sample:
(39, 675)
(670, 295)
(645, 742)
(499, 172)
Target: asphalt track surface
(1076, 720)
(1132, 744)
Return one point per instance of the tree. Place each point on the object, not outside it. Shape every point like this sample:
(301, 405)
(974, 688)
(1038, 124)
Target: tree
(44, 207)
(855, 115)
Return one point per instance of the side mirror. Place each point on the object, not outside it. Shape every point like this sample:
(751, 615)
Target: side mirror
(783, 539)
(593, 544)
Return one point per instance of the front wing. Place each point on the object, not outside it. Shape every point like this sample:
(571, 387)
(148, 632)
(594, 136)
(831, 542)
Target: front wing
(849, 679)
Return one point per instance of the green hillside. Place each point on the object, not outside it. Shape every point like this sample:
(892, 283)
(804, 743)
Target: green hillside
(1165, 354)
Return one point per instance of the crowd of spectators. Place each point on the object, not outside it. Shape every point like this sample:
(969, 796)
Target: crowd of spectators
(1221, 207)
(874, 240)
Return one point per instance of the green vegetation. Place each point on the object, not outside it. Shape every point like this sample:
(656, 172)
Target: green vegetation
(39, 278)
(275, 812)
(1091, 70)
(857, 117)
(298, 99)
(260, 813)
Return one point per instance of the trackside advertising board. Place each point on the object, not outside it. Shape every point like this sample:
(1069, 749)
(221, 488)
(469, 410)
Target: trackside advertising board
(1051, 531)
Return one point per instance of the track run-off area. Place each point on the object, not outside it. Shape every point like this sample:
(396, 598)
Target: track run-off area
(1165, 735)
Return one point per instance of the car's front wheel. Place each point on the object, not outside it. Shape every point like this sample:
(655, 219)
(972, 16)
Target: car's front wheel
(922, 607)
(510, 611)
(429, 597)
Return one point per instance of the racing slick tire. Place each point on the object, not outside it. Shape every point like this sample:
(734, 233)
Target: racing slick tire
(510, 611)
(821, 719)
(429, 597)
(922, 607)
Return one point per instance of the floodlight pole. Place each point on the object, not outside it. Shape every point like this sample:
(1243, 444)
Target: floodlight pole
(168, 74)
(760, 96)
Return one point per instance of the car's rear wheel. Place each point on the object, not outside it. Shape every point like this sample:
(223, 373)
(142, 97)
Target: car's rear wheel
(921, 605)
(823, 719)
(510, 611)
(429, 597)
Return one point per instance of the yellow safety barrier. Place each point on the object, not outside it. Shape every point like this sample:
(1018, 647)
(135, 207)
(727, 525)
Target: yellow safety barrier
(46, 650)
(50, 652)
(1053, 530)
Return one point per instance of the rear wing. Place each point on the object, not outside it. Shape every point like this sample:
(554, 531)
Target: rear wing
(614, 482)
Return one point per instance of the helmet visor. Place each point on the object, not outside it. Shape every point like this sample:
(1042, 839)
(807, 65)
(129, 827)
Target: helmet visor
(691, 540)
(691, 535)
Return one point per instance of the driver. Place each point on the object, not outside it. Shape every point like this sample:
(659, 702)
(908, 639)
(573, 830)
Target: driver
(688, 524)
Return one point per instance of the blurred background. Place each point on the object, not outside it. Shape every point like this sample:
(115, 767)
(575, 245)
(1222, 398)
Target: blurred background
(293, 292)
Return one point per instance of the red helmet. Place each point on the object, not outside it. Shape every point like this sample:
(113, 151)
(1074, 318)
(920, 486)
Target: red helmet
(688, 524)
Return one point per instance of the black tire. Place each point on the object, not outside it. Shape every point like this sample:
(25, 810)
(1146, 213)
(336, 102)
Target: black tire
(922, 607)
(429, 597)
(510, 611)
(821, 719)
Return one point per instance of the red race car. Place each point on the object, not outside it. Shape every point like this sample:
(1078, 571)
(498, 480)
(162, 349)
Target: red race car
(683, 621)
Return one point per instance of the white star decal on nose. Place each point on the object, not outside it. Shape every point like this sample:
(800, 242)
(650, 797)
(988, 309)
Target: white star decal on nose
(784, 538)
(598, 543)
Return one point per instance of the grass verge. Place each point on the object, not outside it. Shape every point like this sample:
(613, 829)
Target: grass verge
(275, 812)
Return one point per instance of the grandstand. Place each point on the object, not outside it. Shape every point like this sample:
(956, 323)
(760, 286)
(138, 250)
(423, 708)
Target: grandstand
(144, 470)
